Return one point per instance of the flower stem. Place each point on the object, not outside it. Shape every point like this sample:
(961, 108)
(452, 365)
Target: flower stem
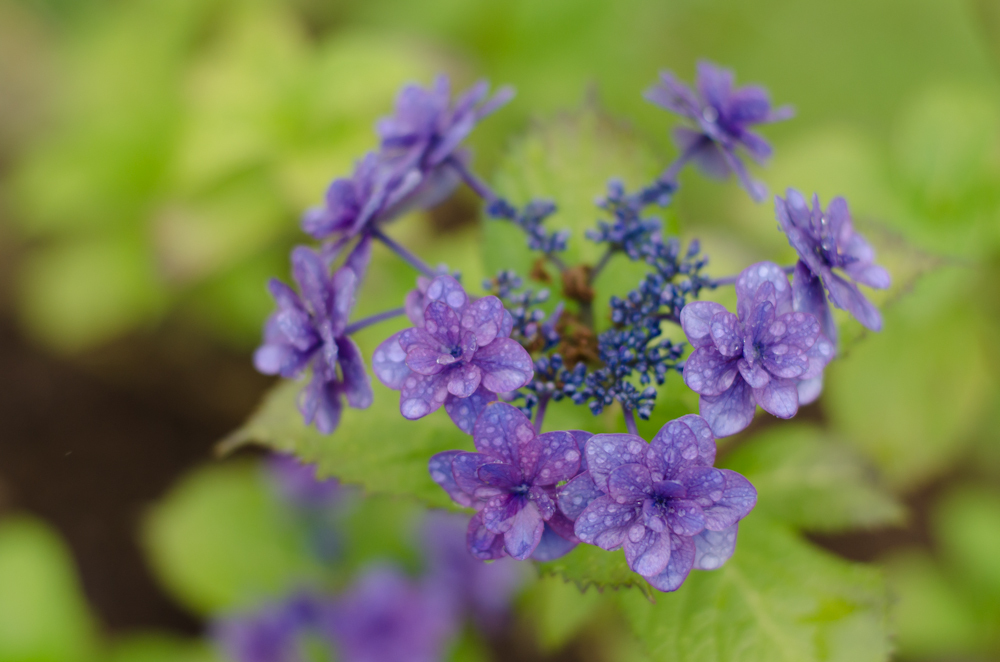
(543, 403)
(365, 322)
(670, 174)
(630, 421)
(478, 186)
(599, 267)
(402, 252)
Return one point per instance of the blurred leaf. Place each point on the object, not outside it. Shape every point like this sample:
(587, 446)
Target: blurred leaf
(559, 610)
(157, 647)
(589, 566)
(967, 527)
(43, 615)
(469, 648)
(220, 541)
(778, 598)
(933, 619)
(376, 447)
(808, 479)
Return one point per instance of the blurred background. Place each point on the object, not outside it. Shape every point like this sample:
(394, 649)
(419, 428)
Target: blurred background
(155, 156)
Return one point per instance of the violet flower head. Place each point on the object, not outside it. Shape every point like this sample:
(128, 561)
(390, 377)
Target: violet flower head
(296, 482)
(460, 357)
(386, 616)
(768, 355)
(427, 128)
(271, 634)
(826, 240)
(308, 329)
(723, 117)
(663, 502)
(510, 481)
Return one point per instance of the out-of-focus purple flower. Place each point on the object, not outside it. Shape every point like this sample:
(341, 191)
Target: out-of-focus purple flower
(826, 240)
(296, 482)
(510, 481)
(309, 329)
(427, 128)
(663, 502)
(473, 587)
(722, 116)
(461, 356)
(767, 355)
(271, 634)
(386, 616)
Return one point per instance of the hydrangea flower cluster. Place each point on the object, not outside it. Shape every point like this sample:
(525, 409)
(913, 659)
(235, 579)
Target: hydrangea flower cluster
(538, 494)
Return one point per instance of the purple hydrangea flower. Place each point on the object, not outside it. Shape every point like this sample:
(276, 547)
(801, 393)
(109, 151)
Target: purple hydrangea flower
(461, 356)
(309, 329)
(427, 129)
(826, 241)
(472, 587)
(510, 481)
(296, 482)
(386, 616)
(767, 355)
(663, 502)
(273, 633)
(723, 116)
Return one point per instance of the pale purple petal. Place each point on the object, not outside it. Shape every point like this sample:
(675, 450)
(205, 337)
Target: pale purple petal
(552, 545)
(687, 441)
(809, 390)
(755, 375)
(704, 152)
(714, 548)
(607, 452)
(682, 554)
(524, 532)
(440, 467)
(577, 494)
(696, 320)
(748, 105)
(555, 458)
(708, 372)
(465, 470)
(847, 296)
(501, 431)
(779, 398)
(730, 411)
(449, 291)
(389, 363)
(649, 555)
(714, 83)
(443, 323)
(673, 95)
(503, 476)
(357, 386)
(482, 543)
(751, 278)
(506, 365)
(871, 275)
(465, 411)
(422, 394)
(685, 517)
(464, 380)
(737, 500)
(629, 483)
(344, 284)
(808, 296)
(726, 334)
(313, 280)
(606, 524)
(319, 403)
(421, 358)
(758, 148)
(484, 318)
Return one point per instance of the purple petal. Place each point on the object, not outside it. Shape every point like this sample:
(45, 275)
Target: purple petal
(319, 403)
(421, 356)
(447, 290)
(685, 517)
(696, 320)
(754, 375)
(730, 411)
(687, 441)
(682, 554)
(748, 105)
(465, 470)
(507, 325)
(357, 386)
(757, 190)
(751, 278)
(389, 363)
(649, 555)
(708, 372)
(726, 334)
(809, 390)
(502, 97)
(506, 365)
(503, 476)
(848, 297)
(550, 458)
(422, 394)
(440, 467)
(416, 301)
(787, 343)
(809, 297)
(313, 280)
(482, 543)
(501, 431)
(525, 532)
(464, 380)
(344, 284)
(629, 483)
(703, 151)
(607, 452)
(871, 275)
(484, 318)
(714, 83)
(577, 494)
(758, 148)
(737, 500)
(443, 323)
(358, 259)
(606, 524)
(562, 526)
(714, 548)
(465, 411)
(552, 545)
(673, 95)
(779, 398)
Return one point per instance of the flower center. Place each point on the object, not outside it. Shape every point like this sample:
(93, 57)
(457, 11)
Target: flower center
(456, 352)
(521, 490)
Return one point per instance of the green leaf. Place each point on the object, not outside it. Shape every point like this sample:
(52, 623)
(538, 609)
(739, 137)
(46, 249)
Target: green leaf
(588, 566)
(559, 610)
(43, 614)
(375, 447)
(809, 479)
(966, 524)
(220, 541)
(159, 647)
(777, 599)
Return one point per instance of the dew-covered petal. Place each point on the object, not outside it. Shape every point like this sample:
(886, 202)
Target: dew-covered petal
(750, 280)
(779, 398)
(507, 325)
(685, 517)
(483, 543)
(422, 394)
(649, 554)
(319, 403)
(577, 494)
(484, 318)
(356, 385)
(729, 412)
(755, 375)
(787, 342)
(550, 458)
(808, 296)
(423, 359)
(344, 284)
(506, 365)
(818, 356)
(447, 290)
(687, 441)
(682, 555)
(524, 532)
(552, 545)
(464, 380)
(465, 470)
(726, 334)
(606, 524)
(629, 483)
(389, 363)
(501, 431)
(708, 372)
(563, 526)
(737, 500)
(465, 411)
(443, 323)
(847, 296)
(696, 320)
(714, 548)
(503, 476)
(607, 452)
(313, 280)
(440, 468)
